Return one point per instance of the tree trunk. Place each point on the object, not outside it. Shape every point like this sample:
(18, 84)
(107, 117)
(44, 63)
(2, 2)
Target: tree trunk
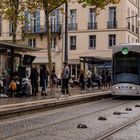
(45, 3)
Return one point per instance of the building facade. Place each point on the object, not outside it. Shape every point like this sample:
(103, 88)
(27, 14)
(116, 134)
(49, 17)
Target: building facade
(92, 35)
(89, 35)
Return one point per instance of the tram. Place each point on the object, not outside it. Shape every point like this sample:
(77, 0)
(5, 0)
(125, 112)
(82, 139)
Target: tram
(126, 69)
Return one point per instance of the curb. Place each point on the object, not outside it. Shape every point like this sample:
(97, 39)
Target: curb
(19, 108)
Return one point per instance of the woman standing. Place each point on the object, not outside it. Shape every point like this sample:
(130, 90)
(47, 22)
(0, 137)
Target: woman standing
(43, 75)
(81, 81)
(54, 81)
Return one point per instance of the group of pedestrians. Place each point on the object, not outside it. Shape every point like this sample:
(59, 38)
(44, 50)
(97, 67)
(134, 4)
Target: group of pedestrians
(90, 80)
(44, 74)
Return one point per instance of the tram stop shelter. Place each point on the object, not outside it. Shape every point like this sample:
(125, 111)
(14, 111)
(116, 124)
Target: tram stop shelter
(93, 61)
(11, 51)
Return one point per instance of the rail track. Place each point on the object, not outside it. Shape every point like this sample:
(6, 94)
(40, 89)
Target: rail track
(77, 117)
(119, 128)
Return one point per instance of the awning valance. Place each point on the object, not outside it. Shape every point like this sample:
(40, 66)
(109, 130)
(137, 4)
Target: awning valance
(17, 47)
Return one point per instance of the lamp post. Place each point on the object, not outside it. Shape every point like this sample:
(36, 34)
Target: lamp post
(66, 32)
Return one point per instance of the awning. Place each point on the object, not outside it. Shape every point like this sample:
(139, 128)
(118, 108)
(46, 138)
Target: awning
(17, 47)
(40, 60)
(94, 60)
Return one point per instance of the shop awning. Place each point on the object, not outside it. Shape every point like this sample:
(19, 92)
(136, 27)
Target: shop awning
(17, 47)
(94, 60)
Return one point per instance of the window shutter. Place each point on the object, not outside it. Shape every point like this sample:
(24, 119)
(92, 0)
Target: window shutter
(37, 21)
(57, 26)
(26, 13)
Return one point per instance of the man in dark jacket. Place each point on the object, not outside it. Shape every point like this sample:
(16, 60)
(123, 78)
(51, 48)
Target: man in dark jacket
(34, 80)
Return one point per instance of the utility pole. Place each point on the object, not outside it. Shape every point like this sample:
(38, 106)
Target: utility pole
(66, 33)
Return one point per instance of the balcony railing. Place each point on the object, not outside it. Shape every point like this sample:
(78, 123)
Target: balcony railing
(72, 26)
(111, 24)
(55, 28)
(92, 25)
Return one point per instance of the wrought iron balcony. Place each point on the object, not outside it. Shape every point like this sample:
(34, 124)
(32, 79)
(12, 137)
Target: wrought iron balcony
(55, 28)
(111, 24)
(72, 26)
(92, 25)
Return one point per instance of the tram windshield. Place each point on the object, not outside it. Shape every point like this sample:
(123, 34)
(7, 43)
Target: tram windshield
(126, 68)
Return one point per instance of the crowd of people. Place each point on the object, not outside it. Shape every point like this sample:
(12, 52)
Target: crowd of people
(86, 80)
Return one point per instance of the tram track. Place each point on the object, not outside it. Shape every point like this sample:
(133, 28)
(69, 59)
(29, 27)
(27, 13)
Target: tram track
(67, 120)
(120, 127)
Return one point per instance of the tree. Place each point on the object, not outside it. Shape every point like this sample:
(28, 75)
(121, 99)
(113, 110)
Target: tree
(12, 10)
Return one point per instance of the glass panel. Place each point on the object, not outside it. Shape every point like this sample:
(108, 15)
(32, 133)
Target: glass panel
(126, 67)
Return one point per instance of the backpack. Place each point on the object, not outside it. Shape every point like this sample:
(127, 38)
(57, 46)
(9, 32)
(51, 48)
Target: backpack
(13, 86)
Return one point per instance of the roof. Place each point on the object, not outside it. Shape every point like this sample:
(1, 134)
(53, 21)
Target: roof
(17, 47)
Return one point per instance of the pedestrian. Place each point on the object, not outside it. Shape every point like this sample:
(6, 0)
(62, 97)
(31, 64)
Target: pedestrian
(47, 75)
(65, 79)
(43, 77)
(54, 81)
(34, 80)
(82, 81)
(108, 80)
(89, 76)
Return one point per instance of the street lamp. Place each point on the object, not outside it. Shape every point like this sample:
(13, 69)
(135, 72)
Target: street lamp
(66, 32)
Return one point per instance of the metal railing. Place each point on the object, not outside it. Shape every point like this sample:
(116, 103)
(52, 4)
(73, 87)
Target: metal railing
(111, 24)
(92, 25)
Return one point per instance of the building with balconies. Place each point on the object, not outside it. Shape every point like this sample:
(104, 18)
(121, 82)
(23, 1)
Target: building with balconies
(91, 36)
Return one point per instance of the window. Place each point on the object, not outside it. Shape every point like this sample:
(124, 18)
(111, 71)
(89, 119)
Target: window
(32, 21)
(112, 18)
(92, 15)
(112, 14)
(112, 40)
(128, 39)
(53, 42)
(73, 16)
(10, 28)
(72, 20)
(92, 19)
(32, 42)
(72, 42)
(92, 41)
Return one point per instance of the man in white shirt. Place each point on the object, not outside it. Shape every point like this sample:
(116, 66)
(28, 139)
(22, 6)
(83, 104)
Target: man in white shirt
(89, 75)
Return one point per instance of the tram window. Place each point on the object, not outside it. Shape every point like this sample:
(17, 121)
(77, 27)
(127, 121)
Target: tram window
(126, 64)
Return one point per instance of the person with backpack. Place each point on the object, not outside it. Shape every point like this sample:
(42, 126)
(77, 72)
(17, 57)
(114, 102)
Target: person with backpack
(65, 79)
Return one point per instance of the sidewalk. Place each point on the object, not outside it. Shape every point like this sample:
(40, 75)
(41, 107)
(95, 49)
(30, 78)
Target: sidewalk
(16, 105)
